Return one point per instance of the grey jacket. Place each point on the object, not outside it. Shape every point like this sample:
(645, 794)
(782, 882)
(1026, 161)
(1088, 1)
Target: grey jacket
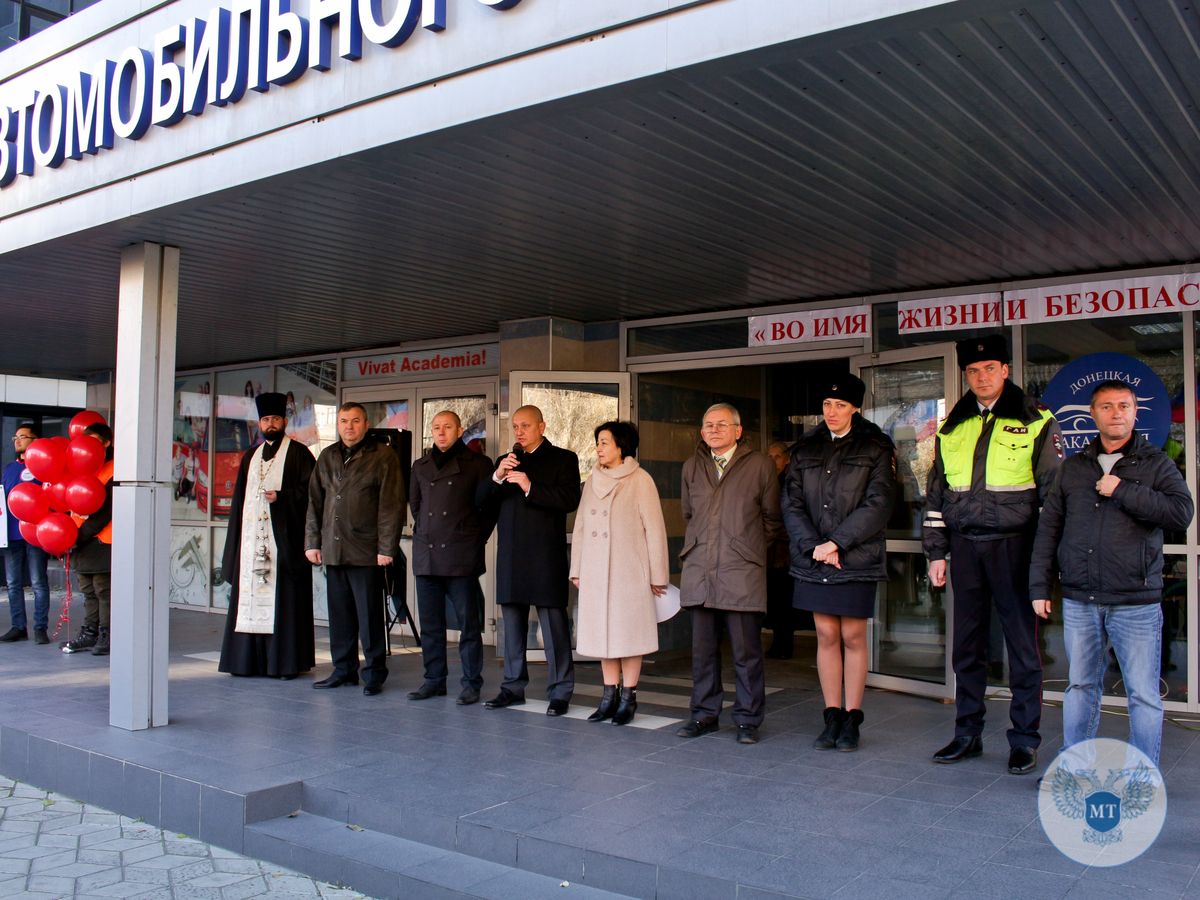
(355, 509)
(731, 523)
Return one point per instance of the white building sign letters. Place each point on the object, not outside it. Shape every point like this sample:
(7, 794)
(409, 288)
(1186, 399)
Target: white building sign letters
(251, 44)
(804, 326)
(1058, 303)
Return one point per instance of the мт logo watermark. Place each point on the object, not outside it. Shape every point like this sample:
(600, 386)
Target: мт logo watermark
(1102, 802)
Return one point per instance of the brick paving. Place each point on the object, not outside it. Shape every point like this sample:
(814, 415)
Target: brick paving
(52, 846)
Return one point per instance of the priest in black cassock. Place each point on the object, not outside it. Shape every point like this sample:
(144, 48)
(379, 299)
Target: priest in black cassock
(269, 627)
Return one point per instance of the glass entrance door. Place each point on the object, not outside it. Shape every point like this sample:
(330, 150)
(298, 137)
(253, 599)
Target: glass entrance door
(909, 393)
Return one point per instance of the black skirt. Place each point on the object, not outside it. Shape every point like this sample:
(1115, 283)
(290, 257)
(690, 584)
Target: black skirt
(853, 599)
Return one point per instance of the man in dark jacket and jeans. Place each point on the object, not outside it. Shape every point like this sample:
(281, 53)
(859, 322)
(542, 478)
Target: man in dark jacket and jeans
(1102, 529)
(449, 533)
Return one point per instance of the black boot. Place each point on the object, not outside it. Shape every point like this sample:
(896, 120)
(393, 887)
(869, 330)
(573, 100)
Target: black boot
(834, 717)
(848, 739)
(608, 705)
(101, 648)
(84, 640)
(627, 706)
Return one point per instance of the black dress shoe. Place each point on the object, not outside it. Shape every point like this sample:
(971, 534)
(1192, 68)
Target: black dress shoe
(372, 690)
(1022, 760)
(467, 697)
(558, 707)
(40, 636)
(425, 691)
(747, 734)
(335, 680)
(696, 728)
(503, 699)
(959, 749)
(14, 634)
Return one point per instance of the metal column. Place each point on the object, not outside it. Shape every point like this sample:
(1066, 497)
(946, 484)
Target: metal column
(146, 323)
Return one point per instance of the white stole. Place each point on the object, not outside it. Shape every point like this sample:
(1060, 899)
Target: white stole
(256, 591)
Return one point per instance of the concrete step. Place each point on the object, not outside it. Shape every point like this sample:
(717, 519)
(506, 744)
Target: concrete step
(386, 866)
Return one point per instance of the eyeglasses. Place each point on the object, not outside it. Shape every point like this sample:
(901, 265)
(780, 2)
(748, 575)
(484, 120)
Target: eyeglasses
(716, 426)
(23, 437)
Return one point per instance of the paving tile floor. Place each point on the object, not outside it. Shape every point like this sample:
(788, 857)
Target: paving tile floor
(54, 847)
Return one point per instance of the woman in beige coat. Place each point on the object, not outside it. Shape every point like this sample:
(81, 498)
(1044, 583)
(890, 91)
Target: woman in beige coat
(619, 563)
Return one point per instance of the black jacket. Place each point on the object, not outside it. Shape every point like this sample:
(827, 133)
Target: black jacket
(841, 491)
(355, 509)
(1109, 549)
(532, 563)
(449, 529)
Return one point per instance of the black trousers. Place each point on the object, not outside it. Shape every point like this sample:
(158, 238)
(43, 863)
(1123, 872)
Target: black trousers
(556, 638)
(745, 640)
(433, 592)
(356, 614)
(986, 574)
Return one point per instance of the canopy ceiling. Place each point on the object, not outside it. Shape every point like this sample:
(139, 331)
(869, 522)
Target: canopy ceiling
(919, 152)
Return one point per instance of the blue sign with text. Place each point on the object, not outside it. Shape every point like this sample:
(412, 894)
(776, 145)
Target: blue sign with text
(1069, 397)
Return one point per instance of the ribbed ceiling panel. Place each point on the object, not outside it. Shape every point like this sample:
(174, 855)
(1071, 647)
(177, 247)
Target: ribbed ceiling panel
(1044, 139)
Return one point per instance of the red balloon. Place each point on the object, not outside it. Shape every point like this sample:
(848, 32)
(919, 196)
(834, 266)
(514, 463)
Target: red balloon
(46, 459)
(28, 502)
(56, 496)
(86, 455)
(29, 533)
(85, 494)
(81, 421)
(56, 533)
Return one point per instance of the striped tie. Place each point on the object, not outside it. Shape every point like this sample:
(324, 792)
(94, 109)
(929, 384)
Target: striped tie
(720, 461)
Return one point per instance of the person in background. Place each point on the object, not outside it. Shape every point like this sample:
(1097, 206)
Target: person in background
(730, 502)
(619, 563)
(840, 490)
(23, 562)
(781, 617)
(92, 559)
(1101, 530)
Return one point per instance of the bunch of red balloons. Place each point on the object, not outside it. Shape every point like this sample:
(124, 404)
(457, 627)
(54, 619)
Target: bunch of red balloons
(67, 468)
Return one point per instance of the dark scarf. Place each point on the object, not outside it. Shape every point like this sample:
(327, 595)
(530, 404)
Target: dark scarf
(441, 457)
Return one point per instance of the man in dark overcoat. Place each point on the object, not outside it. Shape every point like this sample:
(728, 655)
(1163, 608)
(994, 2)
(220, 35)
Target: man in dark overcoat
(269, 625)
(449, 534)
(531, 491)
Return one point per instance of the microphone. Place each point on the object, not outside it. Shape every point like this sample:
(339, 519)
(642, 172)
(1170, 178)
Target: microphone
(519, 452)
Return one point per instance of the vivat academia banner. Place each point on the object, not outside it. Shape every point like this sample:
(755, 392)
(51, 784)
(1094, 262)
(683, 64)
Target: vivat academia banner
(1147, 295)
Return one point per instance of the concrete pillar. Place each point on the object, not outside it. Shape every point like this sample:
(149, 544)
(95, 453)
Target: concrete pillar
(141, 578)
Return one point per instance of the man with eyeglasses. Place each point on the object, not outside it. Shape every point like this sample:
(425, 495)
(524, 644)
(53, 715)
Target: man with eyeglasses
(996, 456)
(22, 560)
(730, 502)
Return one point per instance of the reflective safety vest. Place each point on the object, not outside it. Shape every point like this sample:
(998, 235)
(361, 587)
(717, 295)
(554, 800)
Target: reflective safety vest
(105, 476)
(1009, 463)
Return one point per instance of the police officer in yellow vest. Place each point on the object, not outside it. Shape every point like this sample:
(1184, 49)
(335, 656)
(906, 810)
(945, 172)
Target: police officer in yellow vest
(92, 559)
(996, 454)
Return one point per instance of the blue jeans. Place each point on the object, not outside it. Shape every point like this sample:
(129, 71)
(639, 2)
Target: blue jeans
(1136, 636)
(25, 562)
